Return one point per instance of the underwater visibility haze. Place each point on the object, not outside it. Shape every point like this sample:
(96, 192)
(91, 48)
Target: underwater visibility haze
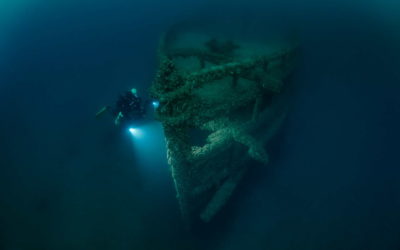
(256, 125)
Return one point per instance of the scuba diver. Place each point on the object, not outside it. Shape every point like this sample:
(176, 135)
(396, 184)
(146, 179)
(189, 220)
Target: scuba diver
(128, 108)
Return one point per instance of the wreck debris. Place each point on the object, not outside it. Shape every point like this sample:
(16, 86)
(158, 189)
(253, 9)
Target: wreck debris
(214, 90)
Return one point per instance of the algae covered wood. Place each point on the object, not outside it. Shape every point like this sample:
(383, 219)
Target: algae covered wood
(219, 106)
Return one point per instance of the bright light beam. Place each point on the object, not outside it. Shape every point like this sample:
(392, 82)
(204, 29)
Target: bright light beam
(135, 132)
(155, 104)
(149, 150)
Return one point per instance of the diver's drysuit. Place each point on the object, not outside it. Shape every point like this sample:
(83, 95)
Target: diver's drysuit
(128, 108)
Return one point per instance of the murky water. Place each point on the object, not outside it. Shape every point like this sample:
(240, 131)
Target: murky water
(69, 181)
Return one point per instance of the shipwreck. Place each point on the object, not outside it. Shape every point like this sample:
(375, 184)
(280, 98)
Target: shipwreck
(221, 101)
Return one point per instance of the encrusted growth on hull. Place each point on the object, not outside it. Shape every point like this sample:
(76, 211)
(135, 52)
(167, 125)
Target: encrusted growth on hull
(219, 106)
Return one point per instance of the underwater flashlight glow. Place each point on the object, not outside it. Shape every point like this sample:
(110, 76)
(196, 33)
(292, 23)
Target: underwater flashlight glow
(134, 131)
(155, 104)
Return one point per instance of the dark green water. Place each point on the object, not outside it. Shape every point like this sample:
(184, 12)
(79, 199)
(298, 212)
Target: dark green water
(68, 181)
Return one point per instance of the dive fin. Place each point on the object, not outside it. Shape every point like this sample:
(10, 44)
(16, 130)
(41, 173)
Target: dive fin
(101, 111)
